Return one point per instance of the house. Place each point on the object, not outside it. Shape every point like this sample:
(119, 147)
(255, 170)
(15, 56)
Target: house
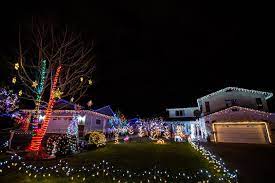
(233, 115)
(184, 118)
(64, 112)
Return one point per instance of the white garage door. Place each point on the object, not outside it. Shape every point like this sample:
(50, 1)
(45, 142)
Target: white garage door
(241, 133)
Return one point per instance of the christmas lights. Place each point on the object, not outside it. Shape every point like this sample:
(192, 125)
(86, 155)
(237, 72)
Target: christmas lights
(36, 140)
(104, 170)
(97, 138)
(8, 101)
(267, 95)
(39, 90)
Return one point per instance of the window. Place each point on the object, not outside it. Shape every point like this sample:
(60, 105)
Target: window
(180, 113)
(207, 107)
(259, 103)
(98, 121)
(230, 102)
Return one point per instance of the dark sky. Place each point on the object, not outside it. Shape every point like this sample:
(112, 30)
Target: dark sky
(157, 54)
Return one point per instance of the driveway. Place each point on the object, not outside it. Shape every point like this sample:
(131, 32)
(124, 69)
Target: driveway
(255, 162)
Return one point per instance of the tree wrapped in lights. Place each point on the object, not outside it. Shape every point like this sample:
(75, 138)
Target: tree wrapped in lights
(8, 101)
(73, 127)
(59, 56)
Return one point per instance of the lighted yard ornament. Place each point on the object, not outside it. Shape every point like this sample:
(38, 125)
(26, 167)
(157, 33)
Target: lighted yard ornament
(130, 130)
(140, 131)
(179, 134)
(54, 150)
(167, 133)
(116, 137)
(126, 139)
(155, 133)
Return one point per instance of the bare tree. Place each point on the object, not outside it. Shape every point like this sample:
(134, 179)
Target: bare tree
(57, 64)
(55, 48)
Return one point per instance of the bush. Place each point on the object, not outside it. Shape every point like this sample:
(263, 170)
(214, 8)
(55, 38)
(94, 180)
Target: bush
(97, 139)
(65, 145)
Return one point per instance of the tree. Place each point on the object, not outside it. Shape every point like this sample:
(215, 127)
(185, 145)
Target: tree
(57, 64)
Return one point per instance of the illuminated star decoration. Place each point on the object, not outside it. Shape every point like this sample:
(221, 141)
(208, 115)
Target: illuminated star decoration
(90, 103)
(20, 92)
(14, 80)
(72, 99)
(90, 82)
(34, 84)
(16, 66)
(57, 93)
(81, 79)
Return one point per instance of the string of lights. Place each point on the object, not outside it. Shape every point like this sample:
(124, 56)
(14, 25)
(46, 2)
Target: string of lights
(218, 164)
(104, 170)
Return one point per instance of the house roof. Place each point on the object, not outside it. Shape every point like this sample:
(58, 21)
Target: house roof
(106, 110)
(183, 108)
(63, 104)
(238, 108)
(72, 112)
(267, 95)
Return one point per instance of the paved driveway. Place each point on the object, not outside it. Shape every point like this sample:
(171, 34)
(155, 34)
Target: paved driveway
(255, 162)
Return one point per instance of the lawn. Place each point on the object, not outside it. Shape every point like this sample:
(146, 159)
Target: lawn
(135, 156)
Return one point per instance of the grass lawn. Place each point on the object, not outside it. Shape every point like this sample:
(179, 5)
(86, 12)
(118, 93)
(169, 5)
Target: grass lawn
(134, 156)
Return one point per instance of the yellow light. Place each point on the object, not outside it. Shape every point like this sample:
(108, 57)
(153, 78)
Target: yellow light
(20, 92)
(34, 84)
(14, 80)
(161, 141)
(58, 93)
(81, 79)
(16, 66)
(90, 82)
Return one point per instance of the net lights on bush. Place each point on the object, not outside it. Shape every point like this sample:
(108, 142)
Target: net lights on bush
(97, 138)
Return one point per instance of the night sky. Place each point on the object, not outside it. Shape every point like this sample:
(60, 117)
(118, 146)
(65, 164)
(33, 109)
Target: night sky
(157, 54)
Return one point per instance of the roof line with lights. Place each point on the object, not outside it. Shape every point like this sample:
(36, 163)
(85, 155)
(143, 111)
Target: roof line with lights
(240, 108)
(72, 111)
(267, 95)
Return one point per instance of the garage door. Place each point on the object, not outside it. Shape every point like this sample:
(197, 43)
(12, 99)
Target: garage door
(241, 133)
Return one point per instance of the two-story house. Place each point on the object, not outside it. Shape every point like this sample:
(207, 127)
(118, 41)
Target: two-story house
(234, 115)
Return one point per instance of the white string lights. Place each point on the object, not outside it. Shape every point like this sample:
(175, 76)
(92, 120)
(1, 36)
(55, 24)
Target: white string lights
(106, 171)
